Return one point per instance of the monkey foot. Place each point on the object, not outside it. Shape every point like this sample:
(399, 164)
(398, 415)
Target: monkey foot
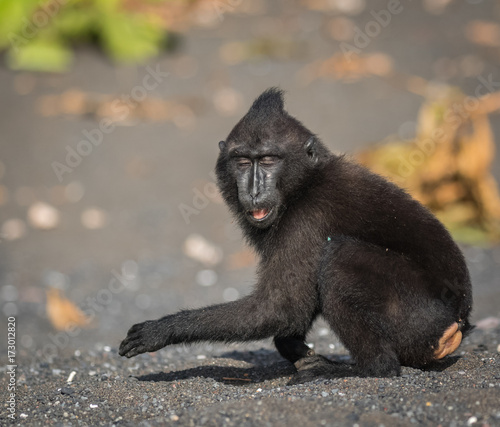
(449, 342)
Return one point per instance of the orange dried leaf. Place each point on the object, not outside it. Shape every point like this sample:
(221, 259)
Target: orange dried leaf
(483, 33)
(63, 313)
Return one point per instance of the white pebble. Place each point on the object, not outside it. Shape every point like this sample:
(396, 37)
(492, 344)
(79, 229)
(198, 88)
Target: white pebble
(230, 294)
(43, 216)
(488, 323)
(471, 421)
(206, 278)
(13, 229)
(94, 218)
(200, 249)
(71, 376)
(23, 415)
(93, 405)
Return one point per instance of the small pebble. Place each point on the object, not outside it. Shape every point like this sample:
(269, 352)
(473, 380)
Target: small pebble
(206, 278)
(94, 218)
(71, 376)
(200, 249)
(67, 391)
(230, 294)
(471, 421)
(13, 229)
(488, 323)
(43, 216)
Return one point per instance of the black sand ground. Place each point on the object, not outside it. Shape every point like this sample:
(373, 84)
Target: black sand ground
(139, 177)
(241, 387)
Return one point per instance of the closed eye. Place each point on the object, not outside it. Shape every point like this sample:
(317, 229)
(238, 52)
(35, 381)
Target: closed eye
(243, 162)
(268, 161)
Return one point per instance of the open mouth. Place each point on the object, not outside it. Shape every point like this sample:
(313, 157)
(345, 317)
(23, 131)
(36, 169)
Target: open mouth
(260, 214)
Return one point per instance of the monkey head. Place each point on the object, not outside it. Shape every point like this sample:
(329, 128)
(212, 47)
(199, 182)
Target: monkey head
(266, 160)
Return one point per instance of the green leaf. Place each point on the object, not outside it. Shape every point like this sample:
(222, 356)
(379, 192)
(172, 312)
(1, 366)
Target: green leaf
(130, 38)
(15, 16)
(40, 55)
(75, 23)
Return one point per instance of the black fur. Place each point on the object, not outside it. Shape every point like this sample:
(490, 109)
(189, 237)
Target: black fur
(336, 240)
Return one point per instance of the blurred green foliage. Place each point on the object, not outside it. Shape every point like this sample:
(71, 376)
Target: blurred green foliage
(38, 35)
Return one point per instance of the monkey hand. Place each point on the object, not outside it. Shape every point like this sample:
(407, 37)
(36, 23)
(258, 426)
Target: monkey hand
(142, 338)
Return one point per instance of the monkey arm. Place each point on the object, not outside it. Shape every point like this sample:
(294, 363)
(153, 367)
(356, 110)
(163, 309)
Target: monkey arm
(253, 317)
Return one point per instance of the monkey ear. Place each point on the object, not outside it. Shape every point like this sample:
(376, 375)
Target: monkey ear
(222, 145)
(310, 147)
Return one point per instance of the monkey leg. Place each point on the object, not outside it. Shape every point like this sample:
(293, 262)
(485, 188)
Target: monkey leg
(316, 366)
(383, 308)
(292, 348)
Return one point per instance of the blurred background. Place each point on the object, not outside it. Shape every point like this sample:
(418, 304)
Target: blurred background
(111, 111)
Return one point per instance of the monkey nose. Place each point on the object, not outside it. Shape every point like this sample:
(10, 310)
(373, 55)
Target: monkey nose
(254, 196)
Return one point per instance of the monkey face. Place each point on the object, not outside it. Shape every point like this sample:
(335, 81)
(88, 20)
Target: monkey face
(267, 162)
(256, 171)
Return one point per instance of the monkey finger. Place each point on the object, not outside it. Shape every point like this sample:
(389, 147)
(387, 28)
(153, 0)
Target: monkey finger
(131, 348)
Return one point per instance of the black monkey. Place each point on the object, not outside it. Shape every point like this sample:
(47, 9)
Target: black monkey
(334, 240)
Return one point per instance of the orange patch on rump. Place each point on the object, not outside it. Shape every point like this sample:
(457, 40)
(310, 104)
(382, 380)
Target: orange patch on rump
(449, 342)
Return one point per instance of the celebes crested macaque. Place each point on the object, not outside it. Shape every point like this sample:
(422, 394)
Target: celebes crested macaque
(335, 240)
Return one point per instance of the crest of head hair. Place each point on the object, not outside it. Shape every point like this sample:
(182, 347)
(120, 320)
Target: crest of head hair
(270, 100)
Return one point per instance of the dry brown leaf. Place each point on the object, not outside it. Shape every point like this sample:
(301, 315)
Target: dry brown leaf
(483, 33)
(449, 174)
(349, 68)
(63, 313)
(476, 150)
